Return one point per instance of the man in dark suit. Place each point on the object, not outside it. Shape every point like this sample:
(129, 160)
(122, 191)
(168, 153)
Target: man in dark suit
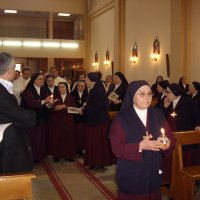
(15, 151)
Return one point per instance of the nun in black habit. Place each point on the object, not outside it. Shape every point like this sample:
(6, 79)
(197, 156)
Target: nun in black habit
(182, 115)
(179, 109)
(119, 87)
(80, 94)
(161, 88)
(134, 140)
(35, 98)
(194, 91)
(97, 148)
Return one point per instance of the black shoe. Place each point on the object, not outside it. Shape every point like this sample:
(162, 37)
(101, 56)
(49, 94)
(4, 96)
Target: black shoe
(80, 153)
(93, 167)
(55, 159)
(70, 159)
(36, 161)
(96, 168)
(100, 167)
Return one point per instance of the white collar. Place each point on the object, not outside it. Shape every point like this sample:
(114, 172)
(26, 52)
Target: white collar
(116, 86)
(37, 89)
(142, 114)
(194, 94)
(63, 96)
(7, 84)
(175, 102)
(80, 93)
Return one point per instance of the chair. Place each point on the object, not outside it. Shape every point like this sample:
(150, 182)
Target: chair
(183, 178)
(16, 186)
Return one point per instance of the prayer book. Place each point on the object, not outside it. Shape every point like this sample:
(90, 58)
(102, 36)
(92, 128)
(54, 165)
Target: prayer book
(113, 96)
(73, 110)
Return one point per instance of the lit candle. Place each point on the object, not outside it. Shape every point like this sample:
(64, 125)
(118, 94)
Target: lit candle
(164, 138)
(162, 130)
(147, 134)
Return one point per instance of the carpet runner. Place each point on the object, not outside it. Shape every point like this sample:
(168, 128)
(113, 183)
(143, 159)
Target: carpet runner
(73, 181)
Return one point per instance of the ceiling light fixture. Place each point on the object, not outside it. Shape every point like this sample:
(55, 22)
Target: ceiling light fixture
(12, 43)
(51, 44)
(69, 45)
(32, 44)
(64, 14)
(10, 11)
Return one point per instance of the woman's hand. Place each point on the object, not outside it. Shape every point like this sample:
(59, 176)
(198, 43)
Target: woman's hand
(154, 145)
(165, 146)
(147, 144)
(197, 128)
(49, 99)
(81, 110)
(116, 101)
(167, 102)
(60, 107)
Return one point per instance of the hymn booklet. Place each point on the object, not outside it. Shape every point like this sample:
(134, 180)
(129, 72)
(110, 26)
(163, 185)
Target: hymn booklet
(73, 110)
(113, 96)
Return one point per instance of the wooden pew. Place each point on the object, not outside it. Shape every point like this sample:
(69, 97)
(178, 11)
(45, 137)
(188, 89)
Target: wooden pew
(16, 186)
(183, 178)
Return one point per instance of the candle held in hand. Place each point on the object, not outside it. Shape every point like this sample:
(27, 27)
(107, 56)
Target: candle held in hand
(162, 130)
(163, 137)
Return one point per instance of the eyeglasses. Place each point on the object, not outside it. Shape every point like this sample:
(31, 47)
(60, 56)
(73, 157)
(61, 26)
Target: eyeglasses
(143, 94)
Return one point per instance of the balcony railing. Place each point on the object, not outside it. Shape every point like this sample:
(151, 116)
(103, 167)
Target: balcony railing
(33, 32)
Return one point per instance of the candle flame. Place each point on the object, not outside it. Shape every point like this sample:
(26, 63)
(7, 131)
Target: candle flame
(162, 130)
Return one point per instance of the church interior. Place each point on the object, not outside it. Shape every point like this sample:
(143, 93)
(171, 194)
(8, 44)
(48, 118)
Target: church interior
(142, 39)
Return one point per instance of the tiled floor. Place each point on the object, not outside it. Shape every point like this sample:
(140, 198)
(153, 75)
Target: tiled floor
(42, 184)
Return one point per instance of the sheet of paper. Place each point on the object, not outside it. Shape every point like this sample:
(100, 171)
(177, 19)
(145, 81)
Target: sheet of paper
(2, 129)
(73, 110)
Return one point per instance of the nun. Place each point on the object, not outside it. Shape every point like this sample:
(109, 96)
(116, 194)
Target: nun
(134, 140)
(179, 109)
(80, 94)
(35, 98)
(182, 115)
(97, 148)
(161, 88)
(194, 91)
(119, 87)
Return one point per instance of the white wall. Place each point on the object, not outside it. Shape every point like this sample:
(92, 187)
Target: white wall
(144, 21)
(96, 4)
(102, 38)
(195, 42)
